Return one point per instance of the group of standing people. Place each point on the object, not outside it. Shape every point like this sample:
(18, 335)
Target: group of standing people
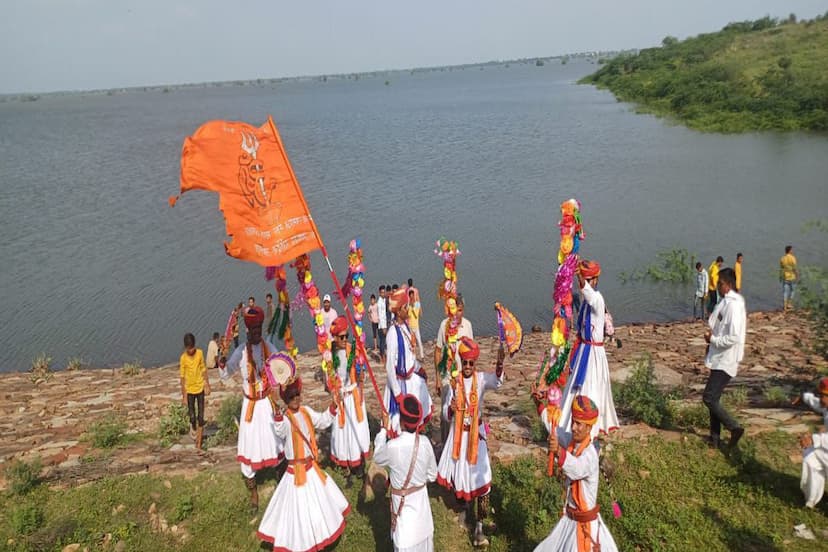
(307, 511)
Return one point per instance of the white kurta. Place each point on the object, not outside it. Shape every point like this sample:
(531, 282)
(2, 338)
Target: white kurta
(466, 480)
(464, 330)
(351, 443)
(414, 384)
(815, 470)
(597, 385)
(258, 447)
(415, 527)
(813, 403)
(564, 537)
(310, 517)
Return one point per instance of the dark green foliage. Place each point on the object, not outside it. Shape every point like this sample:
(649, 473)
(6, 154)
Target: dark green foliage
(640, 399)
(107, 433)
(26, 519)
(183, 509)
(227, 421)
(173, 424)
(674, 266)
(751, 75)
(22, 477)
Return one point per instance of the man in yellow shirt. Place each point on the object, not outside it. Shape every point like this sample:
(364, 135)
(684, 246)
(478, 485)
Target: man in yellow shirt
(194, 385)
(788, 275)
(414, 311)
(713, 272)
(738, 269)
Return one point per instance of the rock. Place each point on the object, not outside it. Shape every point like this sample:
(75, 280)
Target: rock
(74, 547)
(152, 509)
(666, 377)
(120, 546)
(167, 484)
(643, 474)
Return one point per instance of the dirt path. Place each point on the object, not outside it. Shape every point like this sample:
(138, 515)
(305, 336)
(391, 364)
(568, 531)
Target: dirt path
(48, 419)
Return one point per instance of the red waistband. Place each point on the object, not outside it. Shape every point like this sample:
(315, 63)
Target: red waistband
(258, 396)
(593, 343)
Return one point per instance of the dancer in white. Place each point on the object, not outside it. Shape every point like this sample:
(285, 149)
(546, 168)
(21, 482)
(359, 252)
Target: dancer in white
(257, 448)
(307, 511)
(405, 375)
(589, 370)
(411, 463)
(442, 348)
(464, 466)
(581, 528)
(815, 453)
(350, 436)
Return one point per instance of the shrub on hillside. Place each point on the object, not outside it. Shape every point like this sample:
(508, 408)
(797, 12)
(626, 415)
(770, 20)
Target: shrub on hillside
(173, 424)
(640, 399)
(22, 476)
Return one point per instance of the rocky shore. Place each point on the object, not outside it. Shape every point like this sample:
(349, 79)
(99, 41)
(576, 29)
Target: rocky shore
(47, 419)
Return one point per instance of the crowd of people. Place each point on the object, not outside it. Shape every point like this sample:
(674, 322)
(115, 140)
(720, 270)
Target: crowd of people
(307, 511)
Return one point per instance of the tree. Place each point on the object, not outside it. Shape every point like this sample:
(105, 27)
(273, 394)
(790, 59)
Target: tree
(669, 41)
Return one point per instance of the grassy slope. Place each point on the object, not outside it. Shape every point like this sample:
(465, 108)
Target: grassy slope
(733, 80)
(676, 496)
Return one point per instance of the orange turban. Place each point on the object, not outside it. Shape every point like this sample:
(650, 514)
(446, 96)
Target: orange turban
(584, 410)
(822, 386)
(340, 325)
(398, 299)
(254, 316)
(589, 269)
(468, 349)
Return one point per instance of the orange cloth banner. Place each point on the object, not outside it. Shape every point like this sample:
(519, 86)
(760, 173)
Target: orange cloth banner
(267, 218)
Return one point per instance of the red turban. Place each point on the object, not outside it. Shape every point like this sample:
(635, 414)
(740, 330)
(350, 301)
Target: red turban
(468, 349)
(398, 299)
(411, 412)
(340, 325)
(254, 316)
(589, 269)
(822, 386)
(290, 390)
(584, 410)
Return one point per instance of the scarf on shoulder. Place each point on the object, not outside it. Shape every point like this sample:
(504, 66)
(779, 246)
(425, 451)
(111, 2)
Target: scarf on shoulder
(465, 404)
(300, 458)
(584, 533)
(252, 372)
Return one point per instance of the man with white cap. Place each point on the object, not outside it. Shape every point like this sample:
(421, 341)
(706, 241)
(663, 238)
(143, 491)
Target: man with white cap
(328, 314)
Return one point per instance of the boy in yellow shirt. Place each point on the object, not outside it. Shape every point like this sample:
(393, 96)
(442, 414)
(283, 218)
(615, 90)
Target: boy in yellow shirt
(194, 385)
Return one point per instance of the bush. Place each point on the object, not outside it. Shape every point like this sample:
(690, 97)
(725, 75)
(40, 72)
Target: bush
(690, 416)
(183, 509)
(776, 396)
(41, 368)
(108, 432)
(174, 423)
(639, 397)
(132, 368)
(736, 397)
(227, 421)
(675, 266)
(26, 519)
(75, 363)
(23, 476)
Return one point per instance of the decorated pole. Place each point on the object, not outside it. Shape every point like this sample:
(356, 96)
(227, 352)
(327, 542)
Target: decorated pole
(280, 325)
(554, 366)
(354, 287)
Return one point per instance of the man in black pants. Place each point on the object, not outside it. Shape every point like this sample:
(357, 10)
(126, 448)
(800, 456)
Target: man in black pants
(726, 347)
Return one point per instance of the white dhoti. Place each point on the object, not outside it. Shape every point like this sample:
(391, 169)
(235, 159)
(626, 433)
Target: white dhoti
(465, 480)
(564, 537)
(351, 441)
(814, 471)
(258, 446)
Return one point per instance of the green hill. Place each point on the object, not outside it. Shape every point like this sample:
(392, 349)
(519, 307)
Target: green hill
(753, 75)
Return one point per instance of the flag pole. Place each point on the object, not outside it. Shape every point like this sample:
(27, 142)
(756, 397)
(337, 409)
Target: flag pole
(360, 344)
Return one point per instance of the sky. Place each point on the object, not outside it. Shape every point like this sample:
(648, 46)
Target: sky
(50, 45)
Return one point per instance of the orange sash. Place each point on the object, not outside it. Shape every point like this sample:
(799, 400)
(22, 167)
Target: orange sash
(251, 378)
(585, 542)
(298, 438)
(474, 424)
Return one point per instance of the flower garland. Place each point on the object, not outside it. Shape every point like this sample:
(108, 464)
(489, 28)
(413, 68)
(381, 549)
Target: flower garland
(280, 324)
(311, 295)
(449, 251)
(553, 370)
(356, 283)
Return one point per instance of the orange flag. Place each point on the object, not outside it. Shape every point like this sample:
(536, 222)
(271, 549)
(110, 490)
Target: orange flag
(267, 218)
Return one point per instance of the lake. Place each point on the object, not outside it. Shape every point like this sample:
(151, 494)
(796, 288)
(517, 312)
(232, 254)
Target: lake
(98, 266)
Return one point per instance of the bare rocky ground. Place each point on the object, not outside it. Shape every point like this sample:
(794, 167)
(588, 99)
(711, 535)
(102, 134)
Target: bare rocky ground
(48, 419)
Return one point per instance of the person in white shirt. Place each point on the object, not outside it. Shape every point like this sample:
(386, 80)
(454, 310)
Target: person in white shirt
(443, 381)
(405, 375)
(382, 308)
(815, 453)
(726, 347)
(702, 281)
(212, 352)
(329, 314)
(412, 465)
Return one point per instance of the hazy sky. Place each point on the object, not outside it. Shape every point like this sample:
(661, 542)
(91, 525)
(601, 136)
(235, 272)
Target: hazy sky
(50, 45)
